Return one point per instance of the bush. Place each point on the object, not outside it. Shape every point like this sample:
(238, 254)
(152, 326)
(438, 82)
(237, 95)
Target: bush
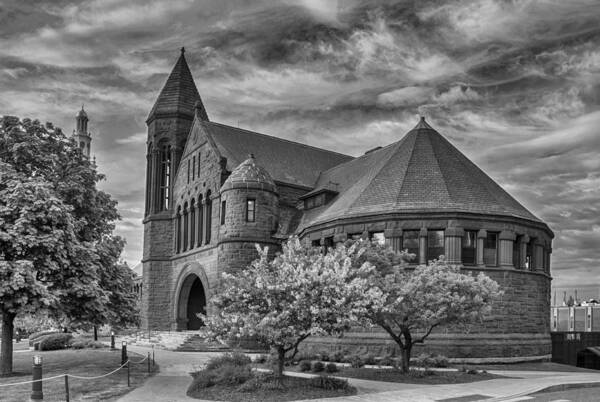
(87, 343)
(55, 341)
(387, 361)
(261, 382)
(331, 368)
(323, 356)
(317, 367)
(34, 337)
(356, 361)
(429, 360)
(329, 383)
(338, 356)
(369, 359)
(235, 359)
(202, 379)
(260, 359)
(305, 365)
(225, 373)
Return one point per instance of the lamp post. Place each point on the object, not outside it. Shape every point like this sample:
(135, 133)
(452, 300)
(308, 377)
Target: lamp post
(112, 340)
(36, 385)
(123, 352)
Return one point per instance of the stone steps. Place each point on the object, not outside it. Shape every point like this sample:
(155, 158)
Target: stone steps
(196, 343)
(159, 339)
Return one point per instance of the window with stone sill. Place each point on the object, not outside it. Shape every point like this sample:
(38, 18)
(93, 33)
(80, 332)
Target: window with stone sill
(223, 207)
(529, 256)
(250, 210)
(435, 244)
(316, 243)
(410, 242)
(469, 247)
(490, 249)
(194, 168)
(517, 252)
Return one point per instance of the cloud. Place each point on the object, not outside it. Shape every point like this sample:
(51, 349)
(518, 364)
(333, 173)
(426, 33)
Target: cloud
(404, 97)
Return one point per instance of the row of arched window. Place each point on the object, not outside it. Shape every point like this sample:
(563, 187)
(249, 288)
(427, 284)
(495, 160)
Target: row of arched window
(193, 223)
(158, 177)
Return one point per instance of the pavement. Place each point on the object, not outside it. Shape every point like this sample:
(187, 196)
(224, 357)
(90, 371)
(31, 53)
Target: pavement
(171, 383)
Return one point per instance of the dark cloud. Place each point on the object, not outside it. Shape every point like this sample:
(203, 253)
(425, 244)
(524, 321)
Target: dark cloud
(513, 84)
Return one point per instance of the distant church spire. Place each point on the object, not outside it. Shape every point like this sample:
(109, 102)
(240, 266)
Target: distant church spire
(81, 134)
(179, 96)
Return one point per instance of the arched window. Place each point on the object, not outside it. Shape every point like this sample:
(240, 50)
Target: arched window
(148, 177)
(165, 177)
(200, 220)
(208, 217)
(185, 226)
(192, 224)
(178, 230)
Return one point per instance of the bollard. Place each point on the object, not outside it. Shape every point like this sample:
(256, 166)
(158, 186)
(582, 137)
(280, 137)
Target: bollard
(112, 340)
(67, 388)
(128, 374)
(123, 352)
(36, 385)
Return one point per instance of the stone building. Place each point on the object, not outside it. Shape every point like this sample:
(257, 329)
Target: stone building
(213, 191)
(81, 134)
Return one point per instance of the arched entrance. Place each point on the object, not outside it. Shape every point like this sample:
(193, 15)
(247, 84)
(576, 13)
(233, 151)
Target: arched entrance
(192, 300)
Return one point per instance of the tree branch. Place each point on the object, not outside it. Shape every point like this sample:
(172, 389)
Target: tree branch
(422, 339)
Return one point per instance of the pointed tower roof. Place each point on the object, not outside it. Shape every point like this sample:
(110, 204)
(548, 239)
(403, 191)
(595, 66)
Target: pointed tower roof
(423, 172)
(179, 94)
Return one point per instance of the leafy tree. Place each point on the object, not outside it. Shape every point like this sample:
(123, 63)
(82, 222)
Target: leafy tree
(56, 244)
(301, 292)
(409, 304)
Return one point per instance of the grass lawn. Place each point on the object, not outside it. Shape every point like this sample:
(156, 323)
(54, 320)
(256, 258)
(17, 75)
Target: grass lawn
(292, 388)
(539, 366)
(82, 362)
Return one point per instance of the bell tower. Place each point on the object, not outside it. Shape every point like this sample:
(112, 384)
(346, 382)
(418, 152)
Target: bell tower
(81, 134)
(169, 124)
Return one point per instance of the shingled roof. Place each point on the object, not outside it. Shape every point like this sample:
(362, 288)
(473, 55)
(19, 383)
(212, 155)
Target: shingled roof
(286, 161)
(179, 94)
(422, 172)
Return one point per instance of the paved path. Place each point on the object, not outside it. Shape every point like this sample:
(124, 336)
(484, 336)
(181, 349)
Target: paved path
(171, 384)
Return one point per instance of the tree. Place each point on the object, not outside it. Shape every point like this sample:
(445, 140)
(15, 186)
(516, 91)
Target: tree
(409, 304)
(55, 230)
(301, 292)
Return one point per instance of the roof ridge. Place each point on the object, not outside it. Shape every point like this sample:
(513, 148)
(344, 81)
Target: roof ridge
(279, 138)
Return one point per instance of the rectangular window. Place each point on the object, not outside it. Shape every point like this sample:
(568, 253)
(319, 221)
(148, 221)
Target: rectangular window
(198, 164)
(194, 168)
(223, 206)
(316, 243)
(328, 243)
(517, 252)
(188, 172)
(490, 249)
(354, 236)
(377, 238)
(469, 247)
(435, 244)
(529, 256)
(250, 210)
(410, 242)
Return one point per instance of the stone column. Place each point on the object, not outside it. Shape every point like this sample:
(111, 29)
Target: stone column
(393, 238)
(423, 246)
(481, 235)
(453, 244)
(524, 241)
(506, 241)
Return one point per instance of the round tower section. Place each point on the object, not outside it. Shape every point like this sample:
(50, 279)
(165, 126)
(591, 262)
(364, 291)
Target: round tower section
(249, 213)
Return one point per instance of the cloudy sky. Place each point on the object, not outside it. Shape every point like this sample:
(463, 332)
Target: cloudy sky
(514, 84)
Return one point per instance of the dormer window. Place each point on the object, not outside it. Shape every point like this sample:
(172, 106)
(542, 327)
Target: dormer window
(318, 198)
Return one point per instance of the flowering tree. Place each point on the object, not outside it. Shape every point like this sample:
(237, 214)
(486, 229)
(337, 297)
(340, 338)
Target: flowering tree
(410, 304)
(301, 292)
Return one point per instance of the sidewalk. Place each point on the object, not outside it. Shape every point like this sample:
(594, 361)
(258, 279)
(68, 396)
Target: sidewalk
(171, 383)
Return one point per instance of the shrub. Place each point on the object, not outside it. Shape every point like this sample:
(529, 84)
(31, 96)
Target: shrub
(324, 356)
(235, 359)
(356, 361)
(338, 356)
(87, 343)
(329, 383)
(429, 360)
(261, 382)
(260, 359)
(305, 365)
(369, 359)
(55, 341)
(387, 361)
(230, 374)
(317, 367)
(331, 368)
(34, 337)
(202, 379)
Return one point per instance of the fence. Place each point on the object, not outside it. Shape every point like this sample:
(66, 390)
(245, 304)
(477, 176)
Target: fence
(575, 319)
(37, 391)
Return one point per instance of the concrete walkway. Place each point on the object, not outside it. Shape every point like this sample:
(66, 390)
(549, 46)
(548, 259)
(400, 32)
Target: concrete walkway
(171, 383)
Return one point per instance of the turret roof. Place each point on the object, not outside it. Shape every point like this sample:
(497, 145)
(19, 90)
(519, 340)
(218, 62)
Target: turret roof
(249, 175)
(179, 94)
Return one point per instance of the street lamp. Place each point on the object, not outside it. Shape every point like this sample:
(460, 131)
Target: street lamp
(36, 385)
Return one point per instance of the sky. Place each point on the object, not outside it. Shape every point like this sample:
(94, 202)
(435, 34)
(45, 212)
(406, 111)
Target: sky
(515, 85)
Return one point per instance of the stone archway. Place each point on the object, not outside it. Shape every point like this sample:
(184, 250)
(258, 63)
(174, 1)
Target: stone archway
(191, 301)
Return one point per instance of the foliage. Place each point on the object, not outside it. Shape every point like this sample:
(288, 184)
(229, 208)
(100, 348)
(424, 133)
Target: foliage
(331, 368)
(261, 382)
(87, 344)
(317, 367)
(36, 335)
(55, 341)
(57, 252)
(305, 365)
(431, 360)
(356, 361)
(260, 359)
(301, 292)
(331, 383)
(234, 359)
(35, 322)
(405, 302)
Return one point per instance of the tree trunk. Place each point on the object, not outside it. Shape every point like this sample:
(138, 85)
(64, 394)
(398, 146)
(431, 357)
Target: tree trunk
(6, 351)
(280, 361)
(406, 358)
(95, 333)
